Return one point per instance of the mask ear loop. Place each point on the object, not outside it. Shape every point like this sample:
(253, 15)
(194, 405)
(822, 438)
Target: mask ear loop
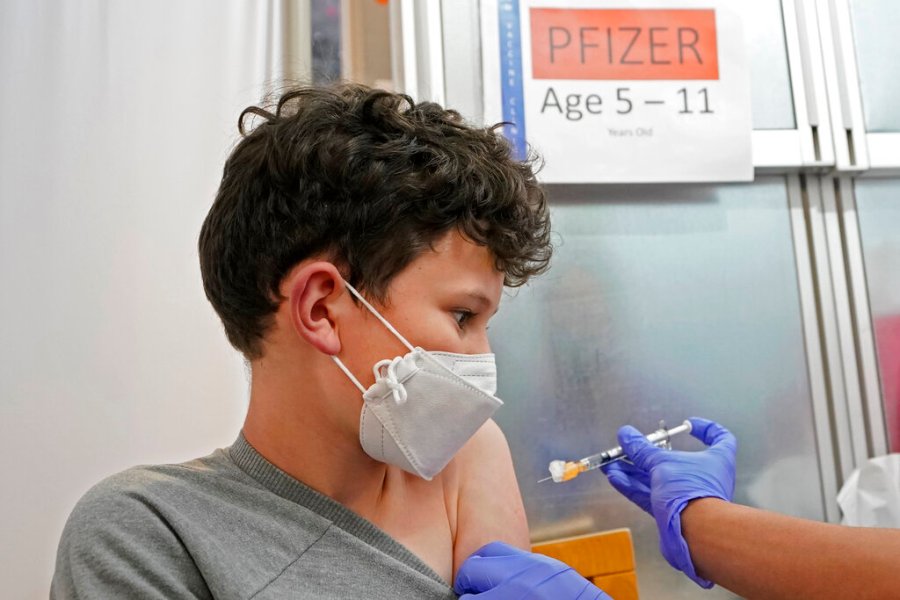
(390, 328)
(379, 317)
(347, 372)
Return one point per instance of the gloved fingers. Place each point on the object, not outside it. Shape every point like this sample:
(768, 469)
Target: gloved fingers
(636, 477)
(628, 468)
(525, 576)
(637, 447)
(713, 434)
(575, 587)
(478, 574)
(481, 573)
(592, 592)
(542, 584)
(497, 593)
(621, 482)
(631, 482)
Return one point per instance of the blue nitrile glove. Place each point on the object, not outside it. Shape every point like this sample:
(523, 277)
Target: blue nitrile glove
(500, 572)
(662, 482)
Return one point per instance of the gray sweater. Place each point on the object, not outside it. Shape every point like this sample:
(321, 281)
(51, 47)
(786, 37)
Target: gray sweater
(229, 525)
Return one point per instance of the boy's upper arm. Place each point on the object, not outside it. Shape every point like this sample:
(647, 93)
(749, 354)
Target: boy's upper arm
(116, 545)
(490, 504)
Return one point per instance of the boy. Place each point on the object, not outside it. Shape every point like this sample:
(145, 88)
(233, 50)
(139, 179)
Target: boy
(352, 229)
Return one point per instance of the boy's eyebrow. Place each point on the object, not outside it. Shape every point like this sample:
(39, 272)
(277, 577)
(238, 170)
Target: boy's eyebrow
(482, 299)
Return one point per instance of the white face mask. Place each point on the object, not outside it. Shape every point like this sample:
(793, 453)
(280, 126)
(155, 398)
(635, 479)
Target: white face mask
(424, 406)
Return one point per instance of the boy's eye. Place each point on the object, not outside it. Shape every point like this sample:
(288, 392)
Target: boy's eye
(462, 317)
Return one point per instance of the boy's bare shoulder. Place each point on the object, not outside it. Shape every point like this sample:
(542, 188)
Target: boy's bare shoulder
(487, 447)
(490, 504)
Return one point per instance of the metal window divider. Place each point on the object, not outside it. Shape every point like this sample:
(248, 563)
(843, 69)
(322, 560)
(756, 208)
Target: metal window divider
(417, 49)
(844, 319)
(808, 85)
(861, 325)
(463, 62)
(829, 336)
(842, 83)
(833, 465)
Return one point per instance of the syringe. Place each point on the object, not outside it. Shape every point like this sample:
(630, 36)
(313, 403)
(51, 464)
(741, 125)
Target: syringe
(561, 470)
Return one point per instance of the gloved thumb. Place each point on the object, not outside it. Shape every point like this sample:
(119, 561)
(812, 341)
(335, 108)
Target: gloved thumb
(637, 447)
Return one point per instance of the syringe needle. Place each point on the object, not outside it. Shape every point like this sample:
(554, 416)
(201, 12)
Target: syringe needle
(545, 479)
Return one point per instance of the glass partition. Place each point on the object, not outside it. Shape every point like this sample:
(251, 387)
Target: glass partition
(325, 24)
(663, 302)
(878, 209)
(877, 48)
(770, 77)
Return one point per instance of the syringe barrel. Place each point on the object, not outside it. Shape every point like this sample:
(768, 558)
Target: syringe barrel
(595, 461)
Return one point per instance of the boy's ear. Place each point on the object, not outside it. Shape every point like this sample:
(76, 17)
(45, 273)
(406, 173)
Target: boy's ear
(312, 292)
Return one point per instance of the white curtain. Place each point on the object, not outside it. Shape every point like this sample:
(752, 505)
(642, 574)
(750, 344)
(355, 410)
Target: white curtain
(116, 119)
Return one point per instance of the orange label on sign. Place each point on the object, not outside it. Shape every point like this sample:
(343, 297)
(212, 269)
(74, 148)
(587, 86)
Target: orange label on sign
(623, 44)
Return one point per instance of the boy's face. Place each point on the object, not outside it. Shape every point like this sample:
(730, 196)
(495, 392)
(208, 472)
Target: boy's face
(442, 301)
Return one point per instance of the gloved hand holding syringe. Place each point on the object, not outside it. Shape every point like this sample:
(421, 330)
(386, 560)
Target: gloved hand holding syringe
(561, 470)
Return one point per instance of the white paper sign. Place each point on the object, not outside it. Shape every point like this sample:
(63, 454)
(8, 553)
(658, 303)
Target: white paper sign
(627, 91)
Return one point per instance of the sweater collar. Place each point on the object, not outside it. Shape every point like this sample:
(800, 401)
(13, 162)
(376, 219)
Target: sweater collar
(278, 482)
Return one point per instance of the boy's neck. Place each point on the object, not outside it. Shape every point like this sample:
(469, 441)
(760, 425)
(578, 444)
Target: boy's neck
(303, 430)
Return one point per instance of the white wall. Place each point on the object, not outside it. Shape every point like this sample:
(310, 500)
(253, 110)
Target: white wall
(116, 118)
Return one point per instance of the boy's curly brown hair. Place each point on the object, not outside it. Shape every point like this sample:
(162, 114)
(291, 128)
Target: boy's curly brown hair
(370, 179)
